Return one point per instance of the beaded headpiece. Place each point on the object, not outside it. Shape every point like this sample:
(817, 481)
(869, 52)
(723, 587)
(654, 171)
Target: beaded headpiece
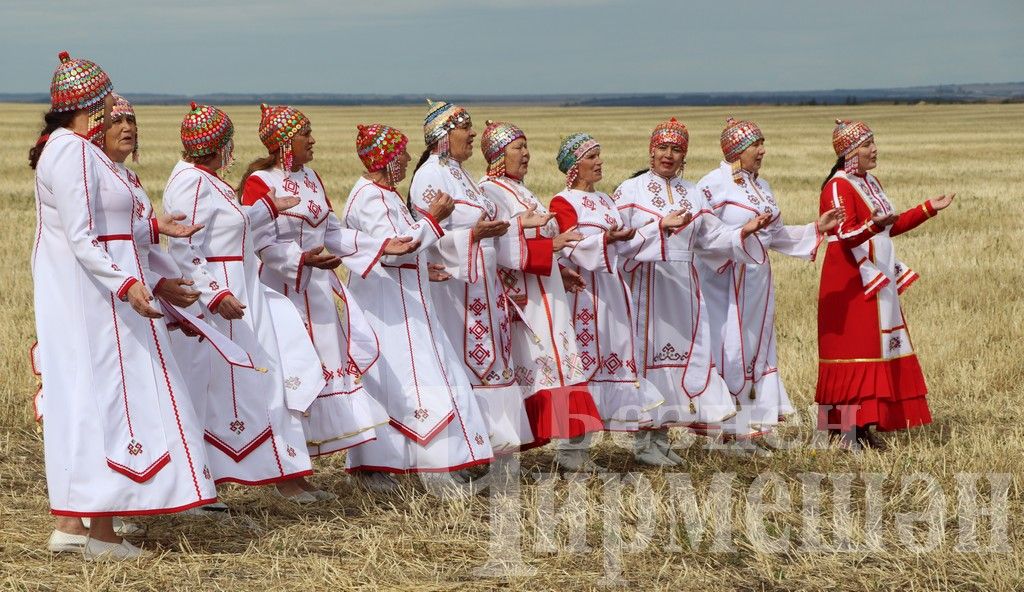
(573, 148)
(205, 130)
(81, 84)
(847, 137)
(123, 109)
(495, 139)
(737, 137)
(379, 146)
(78, 84)
(670, 132)
(278, 125)
(441, 119)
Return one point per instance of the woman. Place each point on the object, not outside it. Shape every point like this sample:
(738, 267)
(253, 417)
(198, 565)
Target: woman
(673, 332)
(545, 357)
(868, 373)
(436, 426)
(471, 306)
(343, 414)
(602, 310)
(252, 420)
(741, 295)
(120, 438)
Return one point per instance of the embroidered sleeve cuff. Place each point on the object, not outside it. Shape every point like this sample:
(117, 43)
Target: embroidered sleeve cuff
(122, 292)
(270, 205)
(928, 208)
(154, 230)
(217, 298)
(376, 258)
(433, 224)
(298, 272)
(539, 255)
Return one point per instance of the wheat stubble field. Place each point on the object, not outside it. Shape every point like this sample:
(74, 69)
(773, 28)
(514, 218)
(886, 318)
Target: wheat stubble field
(965, 314)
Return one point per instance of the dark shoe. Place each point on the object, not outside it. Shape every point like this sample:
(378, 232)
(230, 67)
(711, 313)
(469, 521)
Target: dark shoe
(870, 439)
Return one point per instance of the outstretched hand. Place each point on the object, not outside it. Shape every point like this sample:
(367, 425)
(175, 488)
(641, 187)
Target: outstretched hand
(883, 219)
(568, 238)
(531, 219)
(170, 225)
(316, 257)
(489, 228)
(830, 220)
(676, 219)
(139, 298)
(282, 203)
(619, 233)
(755, 224)
(400, 245)
(942, 202)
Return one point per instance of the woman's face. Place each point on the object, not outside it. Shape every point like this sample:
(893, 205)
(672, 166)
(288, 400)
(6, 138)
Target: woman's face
(517, 159)
(750, 159)
(667, 159)
(402, 162)
(302, 147)
(589, 168)
(460, 141)
(119, 139)
(867, 155)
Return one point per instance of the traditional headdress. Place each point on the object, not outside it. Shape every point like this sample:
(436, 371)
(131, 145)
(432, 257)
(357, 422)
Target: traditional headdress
(123, 109)
(496, 138)
(573, 148)
(378, 147)
(737, 137)
(205, 130)
(81, 84)
(847, 137)
(670, 132)
(441, 119)
(278, 125)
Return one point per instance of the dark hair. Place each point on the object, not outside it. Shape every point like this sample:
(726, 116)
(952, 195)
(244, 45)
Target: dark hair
(260, 164)
(835, 168)
(52, 120)
(205, 161)
(638, 173)
(423, 159)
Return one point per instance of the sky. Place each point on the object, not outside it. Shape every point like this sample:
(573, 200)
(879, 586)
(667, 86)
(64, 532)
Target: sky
(440, 47)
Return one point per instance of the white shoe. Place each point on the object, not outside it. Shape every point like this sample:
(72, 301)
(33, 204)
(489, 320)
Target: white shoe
(63, 542)
(446, 485)
(302, 498)
(121, 528)
(577, 461)
(653, 457)
(744, 449)
(377, 482)
(96, 550)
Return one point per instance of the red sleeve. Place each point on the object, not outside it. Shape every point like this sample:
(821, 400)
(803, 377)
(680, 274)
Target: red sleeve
(912, 218)
(564, 213)
(857, 226)
(253, 189)
(539, 255)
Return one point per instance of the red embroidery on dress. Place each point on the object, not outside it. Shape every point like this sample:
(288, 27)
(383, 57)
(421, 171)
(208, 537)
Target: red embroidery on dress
(612, 363)
(421, 414)
(314, 208)
(134, 448)
(895, 343)
(707, 192)
(477, 306)
(479, 330)
(291, 186)
(610, 220)
(328, 374)
(430, 194)
(654, 187)
(479, 440)
(206, 472)
(480, 353)
(115, 267)
(237, 426)
(214, 286)
(669, 354)
(308, 183)
(587, 359)
(95, 243)
(291, 452)
(589, 203)
(196, 261)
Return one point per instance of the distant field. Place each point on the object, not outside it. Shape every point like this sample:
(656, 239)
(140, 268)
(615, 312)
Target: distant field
(965, 315)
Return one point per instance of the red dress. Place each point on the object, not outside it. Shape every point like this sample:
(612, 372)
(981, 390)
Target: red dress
(868, 372)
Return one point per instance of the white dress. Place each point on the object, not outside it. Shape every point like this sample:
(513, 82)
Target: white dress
(741, 297)
(603, 313)
(672, 323)
(435, 422)
(547, 361)
(120, 436)
(343, 414)
(252, 418)
(471, 305)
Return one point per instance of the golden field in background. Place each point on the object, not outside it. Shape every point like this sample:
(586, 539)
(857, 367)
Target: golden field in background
(965, 315)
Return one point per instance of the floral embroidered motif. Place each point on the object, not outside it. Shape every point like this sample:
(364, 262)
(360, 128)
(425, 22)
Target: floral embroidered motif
(707, 192)
(214, 285)
(140, 208)
(95, 243)
(589, 203)
(604, 203)
(669, 353)
(134, 448)
(895, 343)
(196, 261)
(492, 377)
(237, 426)
(654, 187)
(292, 383)
(206, 473)
(479, 440)
(115, 267)
(658, 202)
(431, 194)
(291, 452)
(610, 220)
(421, 414)
(617, 195)
(291, 186)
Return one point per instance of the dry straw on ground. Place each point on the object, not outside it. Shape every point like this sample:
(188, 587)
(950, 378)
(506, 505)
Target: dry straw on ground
(964, 314)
